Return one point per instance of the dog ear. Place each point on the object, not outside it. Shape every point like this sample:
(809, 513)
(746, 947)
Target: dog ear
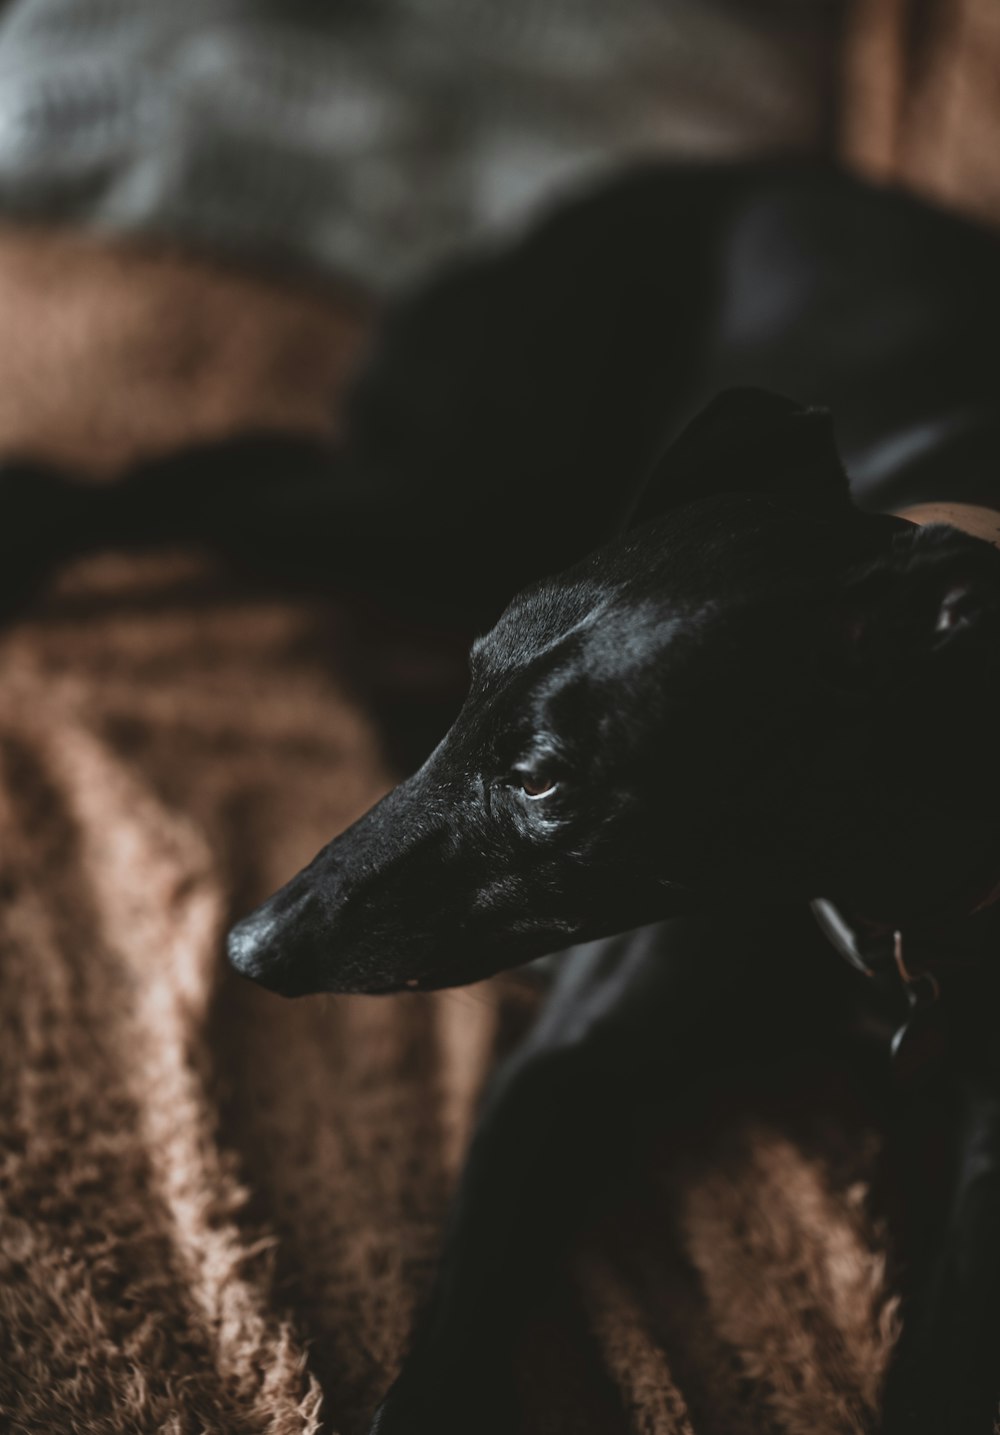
(750, 441)
(933, 595)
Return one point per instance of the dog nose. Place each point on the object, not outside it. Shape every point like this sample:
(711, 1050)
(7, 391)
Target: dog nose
(253, 950)
(280, 944)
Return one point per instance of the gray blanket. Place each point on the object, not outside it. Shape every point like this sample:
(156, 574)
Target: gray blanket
(370, 139)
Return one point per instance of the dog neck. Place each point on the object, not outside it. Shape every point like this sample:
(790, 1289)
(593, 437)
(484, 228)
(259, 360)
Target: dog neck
(884, 954)
(978, 522)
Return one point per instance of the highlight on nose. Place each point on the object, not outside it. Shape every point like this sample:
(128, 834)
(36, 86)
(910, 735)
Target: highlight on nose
(281, 943)
(250, 946)
(254, 947)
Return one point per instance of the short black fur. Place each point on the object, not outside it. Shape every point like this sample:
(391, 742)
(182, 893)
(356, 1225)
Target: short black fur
(755, 693)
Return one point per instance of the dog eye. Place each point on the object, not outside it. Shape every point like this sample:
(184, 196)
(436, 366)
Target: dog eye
(535, 784)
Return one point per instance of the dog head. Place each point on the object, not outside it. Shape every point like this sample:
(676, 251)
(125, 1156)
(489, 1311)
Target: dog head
(754, 692)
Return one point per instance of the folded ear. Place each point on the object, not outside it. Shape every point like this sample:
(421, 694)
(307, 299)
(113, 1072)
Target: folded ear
(934, 594)
(750, 441)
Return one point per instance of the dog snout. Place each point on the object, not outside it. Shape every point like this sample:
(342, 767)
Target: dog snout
(276, 947)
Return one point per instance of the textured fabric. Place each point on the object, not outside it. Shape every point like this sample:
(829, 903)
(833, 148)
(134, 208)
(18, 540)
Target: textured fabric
(373, 139)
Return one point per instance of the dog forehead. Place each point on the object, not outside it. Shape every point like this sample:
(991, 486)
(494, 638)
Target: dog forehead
(668, 576)
(537, 621)
(615, 580)
(564, 666)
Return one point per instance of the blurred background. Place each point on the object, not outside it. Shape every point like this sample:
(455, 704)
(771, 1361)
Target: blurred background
(347, 149)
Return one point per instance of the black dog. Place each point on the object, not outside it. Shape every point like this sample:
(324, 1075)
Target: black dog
(756, 695)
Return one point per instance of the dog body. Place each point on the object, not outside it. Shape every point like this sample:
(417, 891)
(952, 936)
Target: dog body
(756, 694)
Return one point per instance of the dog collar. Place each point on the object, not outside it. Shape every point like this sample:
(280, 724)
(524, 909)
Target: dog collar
(919, 1043)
